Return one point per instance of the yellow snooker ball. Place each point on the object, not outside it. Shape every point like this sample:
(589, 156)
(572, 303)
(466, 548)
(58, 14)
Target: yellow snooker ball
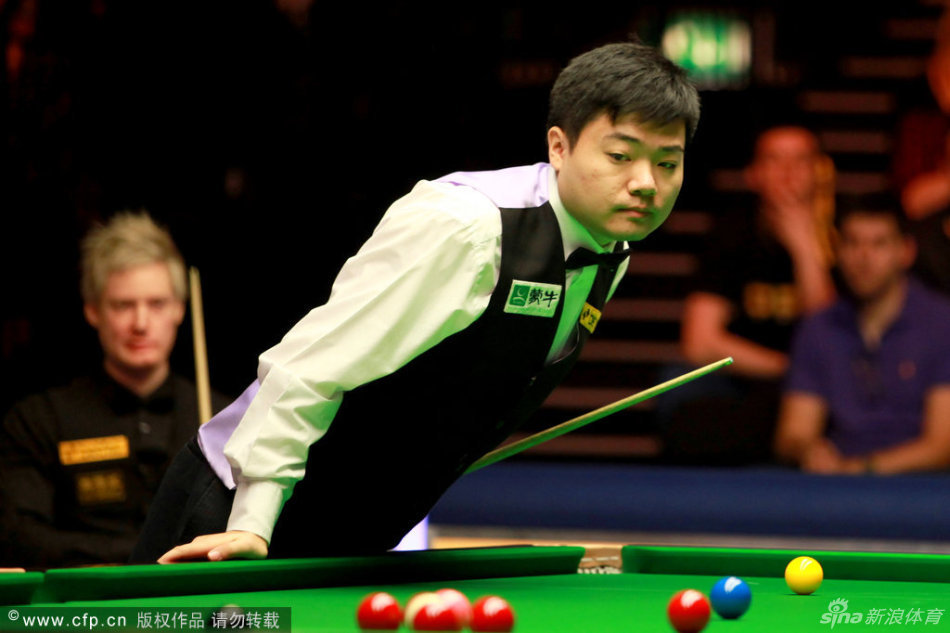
(803, 575)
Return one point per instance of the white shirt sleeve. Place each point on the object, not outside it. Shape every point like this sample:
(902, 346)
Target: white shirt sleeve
(427, 272)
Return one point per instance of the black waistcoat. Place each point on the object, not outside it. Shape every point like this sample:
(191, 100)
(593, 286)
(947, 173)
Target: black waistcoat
(399, 442)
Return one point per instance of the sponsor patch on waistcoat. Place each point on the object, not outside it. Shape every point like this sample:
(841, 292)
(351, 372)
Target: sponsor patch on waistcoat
(532, 298)
(93, 449)
(101, 486)
(590, 317)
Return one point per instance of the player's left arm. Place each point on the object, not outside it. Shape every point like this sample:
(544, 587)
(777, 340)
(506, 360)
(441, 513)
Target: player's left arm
(930, 450)
(427, 272)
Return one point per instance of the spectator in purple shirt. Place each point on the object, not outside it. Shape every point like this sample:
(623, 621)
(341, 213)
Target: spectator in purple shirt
(868, 388)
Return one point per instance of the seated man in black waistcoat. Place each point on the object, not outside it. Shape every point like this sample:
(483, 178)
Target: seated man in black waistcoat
(448, 328)
(79, 463)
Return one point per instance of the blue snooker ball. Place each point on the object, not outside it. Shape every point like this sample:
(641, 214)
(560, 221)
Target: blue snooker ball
(730, 597)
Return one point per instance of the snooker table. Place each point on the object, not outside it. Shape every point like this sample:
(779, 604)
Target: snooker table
(541, 583)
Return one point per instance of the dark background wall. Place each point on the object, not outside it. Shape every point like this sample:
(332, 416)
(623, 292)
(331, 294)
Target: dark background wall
(270, 141)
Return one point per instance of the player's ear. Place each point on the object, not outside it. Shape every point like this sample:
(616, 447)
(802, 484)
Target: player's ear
(558, 146)
(179, 314)
(91, 311)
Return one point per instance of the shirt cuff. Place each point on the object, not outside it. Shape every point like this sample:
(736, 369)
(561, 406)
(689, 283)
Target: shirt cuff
(257, 504)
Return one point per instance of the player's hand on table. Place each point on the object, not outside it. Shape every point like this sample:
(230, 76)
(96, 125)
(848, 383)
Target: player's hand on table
(223, 546)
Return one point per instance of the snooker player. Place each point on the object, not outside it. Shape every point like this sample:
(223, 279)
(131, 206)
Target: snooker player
(81, 462)
(450, 326)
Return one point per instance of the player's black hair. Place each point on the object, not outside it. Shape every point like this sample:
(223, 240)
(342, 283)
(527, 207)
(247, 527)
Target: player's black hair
(884, 204)
(619, 79)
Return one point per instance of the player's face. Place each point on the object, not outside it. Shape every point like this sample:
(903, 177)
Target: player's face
(621, 178)
(872, 255)
(137, 318)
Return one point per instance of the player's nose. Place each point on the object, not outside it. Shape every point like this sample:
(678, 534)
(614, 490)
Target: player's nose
(140, 318)
(640, 181)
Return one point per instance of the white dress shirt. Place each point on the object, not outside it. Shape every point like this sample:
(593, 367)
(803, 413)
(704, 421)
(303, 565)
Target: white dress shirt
(427, 272)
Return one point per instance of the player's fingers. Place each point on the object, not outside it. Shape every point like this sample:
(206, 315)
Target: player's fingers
(189, 551)
(218, 547)
(244, 545)
(196, 549)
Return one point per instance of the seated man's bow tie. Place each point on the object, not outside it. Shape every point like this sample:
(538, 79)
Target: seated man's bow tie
(585, 257)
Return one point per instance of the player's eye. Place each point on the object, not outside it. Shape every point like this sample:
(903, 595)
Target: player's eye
(617, 156)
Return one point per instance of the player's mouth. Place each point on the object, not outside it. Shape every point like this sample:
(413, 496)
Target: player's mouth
(636, 213)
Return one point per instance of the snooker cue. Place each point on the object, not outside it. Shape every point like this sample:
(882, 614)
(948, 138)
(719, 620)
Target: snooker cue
(556, 431)
(202, 381)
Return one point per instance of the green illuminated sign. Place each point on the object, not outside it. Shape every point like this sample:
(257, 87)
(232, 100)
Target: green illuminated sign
(715, 49)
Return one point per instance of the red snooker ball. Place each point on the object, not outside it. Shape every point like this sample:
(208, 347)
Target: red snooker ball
(458, 602)
(437, 616)
(379, 611)
(428, 611)
(688, 611)
(492, 614)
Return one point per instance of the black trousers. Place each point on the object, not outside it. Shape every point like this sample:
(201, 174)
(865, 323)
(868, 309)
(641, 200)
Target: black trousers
(323, 518)
(190, 501)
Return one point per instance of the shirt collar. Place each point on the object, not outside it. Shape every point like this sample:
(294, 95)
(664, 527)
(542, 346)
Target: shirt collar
(573, 233)
(123, 401)
(847, 310)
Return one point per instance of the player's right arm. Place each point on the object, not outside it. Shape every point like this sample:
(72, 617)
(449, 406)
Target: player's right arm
(427, 272)
(31, 481)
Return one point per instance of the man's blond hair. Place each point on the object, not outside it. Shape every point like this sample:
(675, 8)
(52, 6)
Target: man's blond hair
(128, 240)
